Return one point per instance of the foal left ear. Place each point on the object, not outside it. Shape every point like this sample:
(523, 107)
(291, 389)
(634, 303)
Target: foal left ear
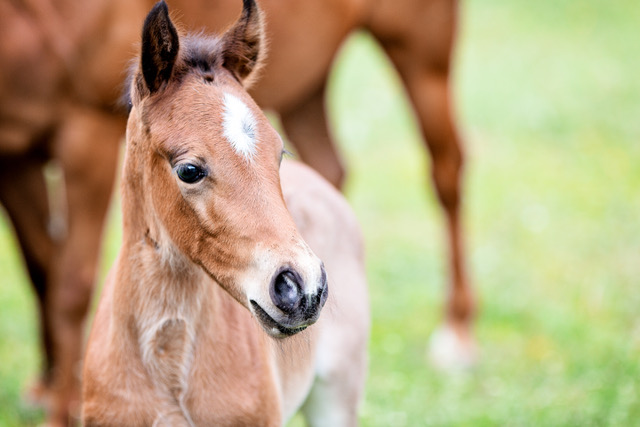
(242, 43)
(160, 46)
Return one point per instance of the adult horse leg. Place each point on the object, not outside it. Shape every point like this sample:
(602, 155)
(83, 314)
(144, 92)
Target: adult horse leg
(23, 193)
(307, 129)
(418, 37)
(87, 148)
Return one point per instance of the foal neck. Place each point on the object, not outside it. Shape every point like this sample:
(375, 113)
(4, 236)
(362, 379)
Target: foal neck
(162, 295)
(166, 284)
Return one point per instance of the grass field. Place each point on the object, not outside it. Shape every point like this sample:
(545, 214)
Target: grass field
(548, 97)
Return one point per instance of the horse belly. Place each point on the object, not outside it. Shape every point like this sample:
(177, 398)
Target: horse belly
(304, 38)
(30, 75)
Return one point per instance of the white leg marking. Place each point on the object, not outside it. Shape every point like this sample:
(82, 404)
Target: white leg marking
(450, 351)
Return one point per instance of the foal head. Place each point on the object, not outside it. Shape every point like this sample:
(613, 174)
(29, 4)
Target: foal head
(201, 180)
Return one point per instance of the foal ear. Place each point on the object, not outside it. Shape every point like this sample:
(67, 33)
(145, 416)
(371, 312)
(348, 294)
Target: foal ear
(243, 42)
(160, 46)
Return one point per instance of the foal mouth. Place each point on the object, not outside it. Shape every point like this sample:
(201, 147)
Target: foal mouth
(273, 327)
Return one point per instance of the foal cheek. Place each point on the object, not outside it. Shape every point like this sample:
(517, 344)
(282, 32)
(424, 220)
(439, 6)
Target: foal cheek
(213, 241)
(175, 215)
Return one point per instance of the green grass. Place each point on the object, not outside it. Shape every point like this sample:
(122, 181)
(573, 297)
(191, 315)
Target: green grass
(548, 97)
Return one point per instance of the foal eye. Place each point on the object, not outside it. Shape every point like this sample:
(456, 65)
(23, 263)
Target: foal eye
(190, 173)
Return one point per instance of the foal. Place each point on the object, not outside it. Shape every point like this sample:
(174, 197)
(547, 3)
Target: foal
(206, 316)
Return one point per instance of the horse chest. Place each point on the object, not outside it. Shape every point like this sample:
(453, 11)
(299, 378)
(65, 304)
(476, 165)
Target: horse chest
(167, 354)
(213, 380)
(242, 409)
(236, 387)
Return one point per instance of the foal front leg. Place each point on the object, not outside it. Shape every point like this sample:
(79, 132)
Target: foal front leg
(87, 148)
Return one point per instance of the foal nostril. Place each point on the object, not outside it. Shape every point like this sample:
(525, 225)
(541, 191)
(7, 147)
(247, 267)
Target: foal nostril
(323, 292)
(286, 291)
(312, 304)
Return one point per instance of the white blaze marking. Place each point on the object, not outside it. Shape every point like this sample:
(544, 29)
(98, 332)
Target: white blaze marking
(239, 126)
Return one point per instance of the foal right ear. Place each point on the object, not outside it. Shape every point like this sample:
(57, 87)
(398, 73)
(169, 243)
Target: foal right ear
(243, 44)
(160, 46)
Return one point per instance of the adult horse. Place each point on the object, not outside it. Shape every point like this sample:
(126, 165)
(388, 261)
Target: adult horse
(61, 67)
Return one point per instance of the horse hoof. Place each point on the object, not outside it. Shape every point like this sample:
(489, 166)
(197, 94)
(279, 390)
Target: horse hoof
(452, 349)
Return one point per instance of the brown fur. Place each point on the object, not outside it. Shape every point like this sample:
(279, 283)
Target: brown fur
(61, 68)
(174, 341)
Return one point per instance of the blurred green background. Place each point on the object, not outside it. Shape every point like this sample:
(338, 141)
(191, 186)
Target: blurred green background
(548, 98)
